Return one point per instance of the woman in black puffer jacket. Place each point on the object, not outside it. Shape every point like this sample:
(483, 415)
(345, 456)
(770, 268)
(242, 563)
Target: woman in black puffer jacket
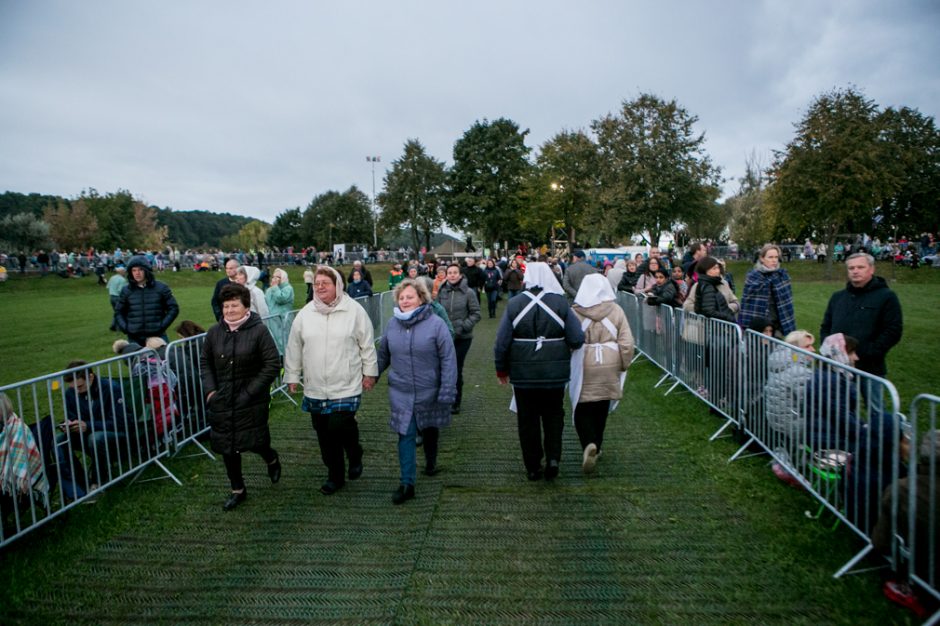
(239, 362)
(719, 342)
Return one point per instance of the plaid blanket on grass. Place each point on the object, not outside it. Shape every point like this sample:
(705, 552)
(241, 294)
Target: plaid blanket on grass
(21, 465)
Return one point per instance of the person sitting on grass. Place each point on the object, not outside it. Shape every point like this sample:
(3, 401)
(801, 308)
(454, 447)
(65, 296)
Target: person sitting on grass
(95, 424)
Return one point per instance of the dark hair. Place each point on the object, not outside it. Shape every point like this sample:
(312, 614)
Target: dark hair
(706, 264)
(759, 324)
(695, 247)
(189, 328)
(453, 264)
(73, 375)
(851, 344)
(678, 267)
(661, 272)
(234, 291)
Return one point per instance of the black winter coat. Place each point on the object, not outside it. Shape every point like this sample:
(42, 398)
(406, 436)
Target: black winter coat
(239, 367)
(146, 311)
(664, 294)
(517, 352)
(871, 314)
(628, 281)
(709, 301)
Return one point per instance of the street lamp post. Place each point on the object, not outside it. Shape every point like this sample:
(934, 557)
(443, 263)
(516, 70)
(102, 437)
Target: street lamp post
(375, 237)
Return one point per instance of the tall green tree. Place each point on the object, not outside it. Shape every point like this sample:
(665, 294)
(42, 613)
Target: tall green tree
(912, 203)
(833, 174)
(71, 224)
(562, 190)
(286, 230)
(253, 236)
(486, 180)
(653, 166)
(752, 220)
(334, 217)
(413, 194)
(24, 232)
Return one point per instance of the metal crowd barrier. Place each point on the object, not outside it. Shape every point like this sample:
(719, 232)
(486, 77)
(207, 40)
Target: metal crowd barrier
(82, 453)
(917, 534)
(833, 429)
(279, 327)
(182, 358)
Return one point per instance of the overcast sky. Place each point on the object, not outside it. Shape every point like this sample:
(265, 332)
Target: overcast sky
(253, 108)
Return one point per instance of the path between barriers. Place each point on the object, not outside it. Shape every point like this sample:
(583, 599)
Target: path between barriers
(665, 532)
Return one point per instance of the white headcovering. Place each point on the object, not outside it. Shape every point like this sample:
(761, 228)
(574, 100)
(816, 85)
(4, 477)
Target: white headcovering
(541, 275)
(595, 288)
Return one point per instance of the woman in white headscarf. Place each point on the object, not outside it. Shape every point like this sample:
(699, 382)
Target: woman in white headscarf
(533, 352)
(599, 368)
(247, 275)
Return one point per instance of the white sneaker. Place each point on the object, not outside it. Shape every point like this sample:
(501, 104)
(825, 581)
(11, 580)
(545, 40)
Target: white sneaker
(590, 458)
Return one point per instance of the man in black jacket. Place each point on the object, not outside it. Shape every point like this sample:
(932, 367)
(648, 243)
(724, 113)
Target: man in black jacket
(866, 310)
(231, 268)
(475, 276)
(366, 274)
(146, 307)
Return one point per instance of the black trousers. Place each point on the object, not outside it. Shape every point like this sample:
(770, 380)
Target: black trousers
(462, 347)
(430, 436)
(590, 420)
(338, 433)
(233, 464)
(540, 411)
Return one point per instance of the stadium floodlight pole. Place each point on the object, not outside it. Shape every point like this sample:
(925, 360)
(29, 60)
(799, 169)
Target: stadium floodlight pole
(375, 237)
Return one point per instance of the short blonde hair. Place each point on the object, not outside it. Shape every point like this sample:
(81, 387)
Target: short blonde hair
(155, 342)
(423, 294)
(767, 247)
(800, 337)
(6, 408)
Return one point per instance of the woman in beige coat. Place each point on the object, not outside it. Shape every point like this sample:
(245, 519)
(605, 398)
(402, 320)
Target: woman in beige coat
(599, 368)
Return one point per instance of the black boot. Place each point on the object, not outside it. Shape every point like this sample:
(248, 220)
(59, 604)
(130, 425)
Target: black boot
(234, 499)
(274, 470)
(403, 493)
(431, 436)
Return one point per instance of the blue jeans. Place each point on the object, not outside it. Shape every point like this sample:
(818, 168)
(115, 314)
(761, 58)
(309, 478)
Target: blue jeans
(102, 446)
(408, 453)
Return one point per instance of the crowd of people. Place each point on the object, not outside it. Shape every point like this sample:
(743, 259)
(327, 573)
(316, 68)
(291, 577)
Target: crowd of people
(560, 328)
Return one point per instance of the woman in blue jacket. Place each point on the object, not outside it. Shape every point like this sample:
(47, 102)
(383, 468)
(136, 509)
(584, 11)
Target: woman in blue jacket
(422, 384)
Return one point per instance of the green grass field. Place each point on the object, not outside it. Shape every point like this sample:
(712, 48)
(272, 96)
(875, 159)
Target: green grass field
(666, 531)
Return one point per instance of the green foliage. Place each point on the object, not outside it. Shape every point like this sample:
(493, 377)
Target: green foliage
(912, 204)
(72, 225)
(561, 190)
(12, 203)
(199, 229)
(252, 236)
(653, 169)
(24, 231)
(334, 217)
(486, 180)
(414, 193)
(286, 230)
(752, 219)
(833, 174)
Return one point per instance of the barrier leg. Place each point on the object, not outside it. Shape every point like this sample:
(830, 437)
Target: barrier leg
(739, 454)
(282, 389)
(168, 473)
(724, 427)
(198, 445)
(664, 378)
(855, 559)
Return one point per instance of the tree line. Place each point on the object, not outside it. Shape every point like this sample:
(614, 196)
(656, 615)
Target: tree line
(106, 221)
(851, 167)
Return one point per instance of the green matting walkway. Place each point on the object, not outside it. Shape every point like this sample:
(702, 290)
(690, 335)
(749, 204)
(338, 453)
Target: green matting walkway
(665, 532)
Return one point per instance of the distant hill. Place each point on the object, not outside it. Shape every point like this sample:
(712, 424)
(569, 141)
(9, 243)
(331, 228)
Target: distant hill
(187, 229)
(199, 229)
